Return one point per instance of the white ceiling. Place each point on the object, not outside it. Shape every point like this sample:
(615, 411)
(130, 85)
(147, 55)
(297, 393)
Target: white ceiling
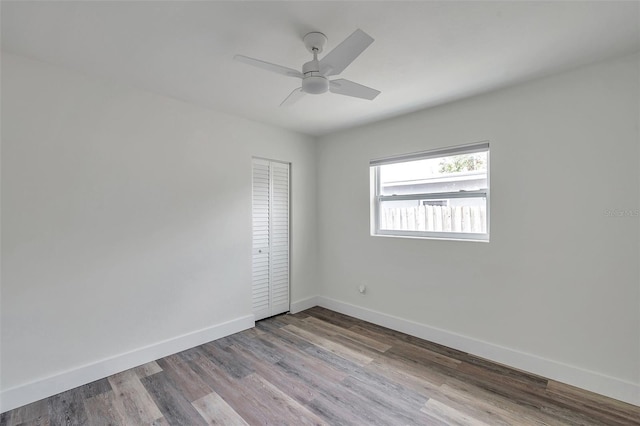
(425, 53)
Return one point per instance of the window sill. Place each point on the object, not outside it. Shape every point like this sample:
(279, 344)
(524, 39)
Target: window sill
(473, 239)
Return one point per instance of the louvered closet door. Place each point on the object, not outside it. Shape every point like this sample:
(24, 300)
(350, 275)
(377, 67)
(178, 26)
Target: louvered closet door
(279, 259)
(270, 238)
(261, 241)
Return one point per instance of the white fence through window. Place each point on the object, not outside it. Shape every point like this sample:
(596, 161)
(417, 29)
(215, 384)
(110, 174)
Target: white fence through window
(469, 219)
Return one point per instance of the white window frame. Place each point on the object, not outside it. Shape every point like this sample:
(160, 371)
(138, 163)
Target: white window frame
(377, 198)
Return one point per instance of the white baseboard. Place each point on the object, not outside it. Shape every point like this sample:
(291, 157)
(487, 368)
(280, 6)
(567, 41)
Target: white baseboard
(301, 305)
(24, 394)
(584, 379)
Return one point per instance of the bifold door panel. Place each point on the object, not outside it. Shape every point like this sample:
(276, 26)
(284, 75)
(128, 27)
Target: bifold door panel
(270, 275)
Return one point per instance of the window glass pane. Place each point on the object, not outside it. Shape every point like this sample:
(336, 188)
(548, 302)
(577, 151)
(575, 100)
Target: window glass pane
(464, 215)
(463, 172)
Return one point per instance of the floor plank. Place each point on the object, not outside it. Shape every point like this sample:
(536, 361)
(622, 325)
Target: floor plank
(590, 402)
(105, 409)
(172, 404)
(450, 415)
(349, 334)
(147, 369)
(138, 405)
(228, 388)
(67, 408)
(332, 346)
(296, 388)
(190, 384)
(215, 411)
(280, 404)
(36, 414)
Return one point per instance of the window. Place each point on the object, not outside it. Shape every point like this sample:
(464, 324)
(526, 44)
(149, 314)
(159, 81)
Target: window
(436, 194)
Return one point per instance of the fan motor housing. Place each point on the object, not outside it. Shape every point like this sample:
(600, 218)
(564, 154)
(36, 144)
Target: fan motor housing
(315, 84)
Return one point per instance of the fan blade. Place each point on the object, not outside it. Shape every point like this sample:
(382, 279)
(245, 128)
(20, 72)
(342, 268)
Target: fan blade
(349, 88)
(346, 52)
(293, 97)
(269, 66)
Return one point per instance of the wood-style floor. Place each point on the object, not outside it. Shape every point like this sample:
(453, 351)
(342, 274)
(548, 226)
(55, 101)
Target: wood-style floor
(320, 367)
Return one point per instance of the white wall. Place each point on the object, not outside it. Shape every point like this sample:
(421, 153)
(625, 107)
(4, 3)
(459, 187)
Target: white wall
(126, 218)
(559, 279)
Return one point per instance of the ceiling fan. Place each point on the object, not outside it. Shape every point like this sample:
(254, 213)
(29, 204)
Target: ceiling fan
(315, 72)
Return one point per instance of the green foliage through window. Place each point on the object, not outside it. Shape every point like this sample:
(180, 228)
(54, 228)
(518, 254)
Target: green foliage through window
(463, 163)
